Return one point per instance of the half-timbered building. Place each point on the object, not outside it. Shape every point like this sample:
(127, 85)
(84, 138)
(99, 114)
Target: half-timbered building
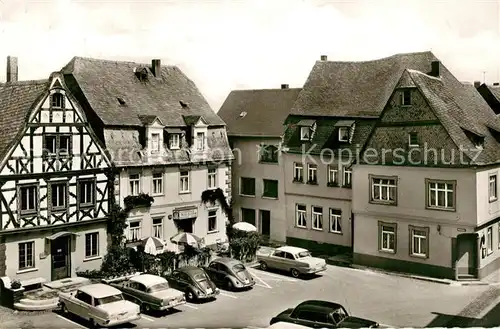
(165, 141)
(54, 182)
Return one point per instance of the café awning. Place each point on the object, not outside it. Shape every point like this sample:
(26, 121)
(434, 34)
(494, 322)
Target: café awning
(60, 235)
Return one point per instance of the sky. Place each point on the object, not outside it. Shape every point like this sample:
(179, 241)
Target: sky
(249, 44)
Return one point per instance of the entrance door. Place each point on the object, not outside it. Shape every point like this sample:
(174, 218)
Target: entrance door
(61, 267)
(265, 222)
(467, 254)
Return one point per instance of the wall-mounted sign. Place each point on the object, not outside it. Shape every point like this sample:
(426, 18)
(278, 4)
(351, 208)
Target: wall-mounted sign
(461, 230)
(185, 213)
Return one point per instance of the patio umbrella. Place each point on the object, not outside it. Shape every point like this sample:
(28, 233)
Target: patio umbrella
(186, 238)
(152, 245)
(244, 226)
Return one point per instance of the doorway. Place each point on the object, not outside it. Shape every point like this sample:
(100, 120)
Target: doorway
(185, 225)
(59, 250)
(265, 222)
(466, 255)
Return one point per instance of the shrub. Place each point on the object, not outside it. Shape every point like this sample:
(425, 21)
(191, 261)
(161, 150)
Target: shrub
(16, 284)
(117, 261)
(140, 200)
(91, 274)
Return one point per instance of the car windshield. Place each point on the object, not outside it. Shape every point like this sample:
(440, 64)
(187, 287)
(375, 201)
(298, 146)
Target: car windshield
(239, 268)
(158, 287)
(202, 280)
(303, 254)
(108, 299)
(339, 314)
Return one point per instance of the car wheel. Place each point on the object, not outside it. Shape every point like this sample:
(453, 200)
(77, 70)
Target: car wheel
(229, 285)
(93, 325)
(263, 266)
(189, 295)
(145, 308)
(295, 273)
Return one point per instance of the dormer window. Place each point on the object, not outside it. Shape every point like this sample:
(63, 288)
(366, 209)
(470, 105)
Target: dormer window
(413, 139)
(476, 139)
(57, 100)
(305, 133)
(200, 141)
(174, 142)
(406, 97)
(343, 134)
(155, 143)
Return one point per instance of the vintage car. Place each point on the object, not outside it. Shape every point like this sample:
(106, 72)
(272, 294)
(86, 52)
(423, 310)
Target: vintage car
(150, 292)
(229, 273)
(297, 261)
(322, 314)
(194, 282)
(100, 304)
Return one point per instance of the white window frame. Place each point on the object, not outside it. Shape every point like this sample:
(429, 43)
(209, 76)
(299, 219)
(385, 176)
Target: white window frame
(200, 141)
(54, 98)
(332, 175)
(83, 196)
(31, 193)
(382, 184)
(432, 188)
(403, 97)
(175, 141)
(316, 218)
(134, 184)
(134, 232)
(54, 188)
(389, 234)
(157, 183)
(298, 168)
(155, 142)
(305, 133)
(343, 134)
(93, 244)
(184, 181)
(422, 240)
(301, 216)
(347, 177)
(335, 221)
(489, 240)
(409, 139)
(493, 187)
(212, 178)
(312, 171)
(28, 261)
(211, 214)
(157, 228)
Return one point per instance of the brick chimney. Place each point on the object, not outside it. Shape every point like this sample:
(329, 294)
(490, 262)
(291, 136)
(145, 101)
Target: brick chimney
(11, 69)
(435, 66)
(477, 84)
(156, 67)
(284, 86)
(324, 57)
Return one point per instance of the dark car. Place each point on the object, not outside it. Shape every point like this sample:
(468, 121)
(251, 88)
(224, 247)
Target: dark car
(194, 282)
(322, 314)
(229, 273)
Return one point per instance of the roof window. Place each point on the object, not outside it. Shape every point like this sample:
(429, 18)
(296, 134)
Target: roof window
(121, 100)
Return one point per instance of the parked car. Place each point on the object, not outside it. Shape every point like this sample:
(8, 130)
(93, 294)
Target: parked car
(151, 292)
(100, 304)
(286, 325)
(297, 261)
(322, 314)
(194, 282)
(229, 273)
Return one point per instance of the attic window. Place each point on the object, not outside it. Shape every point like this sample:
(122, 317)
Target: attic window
(243, 114)
(406, 97)
(141, 73)
(305, 133)
(184, 105)
(120, 100)
(57, 100)
(476, 140)
(343, 134)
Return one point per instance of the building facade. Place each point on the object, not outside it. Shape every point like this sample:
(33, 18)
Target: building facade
(164, 139)
(55, 182)
(426, 186)
(254, 120)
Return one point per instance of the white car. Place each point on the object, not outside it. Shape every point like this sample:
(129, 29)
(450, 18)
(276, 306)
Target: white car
(100, 304)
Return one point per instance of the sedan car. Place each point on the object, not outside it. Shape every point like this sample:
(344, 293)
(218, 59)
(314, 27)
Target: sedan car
(294, 260)
(100, 304)
(229, 273)
(151, 292)
(322, 314)
(194, 282)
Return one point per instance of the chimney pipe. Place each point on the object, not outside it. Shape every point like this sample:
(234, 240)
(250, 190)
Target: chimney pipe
(477, 84)
(496, 84)
(284, 86)
(324, 57)
(156, 67)
(435, 68)
(11, 69)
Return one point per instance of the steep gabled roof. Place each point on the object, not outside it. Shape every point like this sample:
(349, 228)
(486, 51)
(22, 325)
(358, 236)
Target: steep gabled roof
(257, 113)
(17, 100)
(118, 96)
(461, 110)
(356, 89)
